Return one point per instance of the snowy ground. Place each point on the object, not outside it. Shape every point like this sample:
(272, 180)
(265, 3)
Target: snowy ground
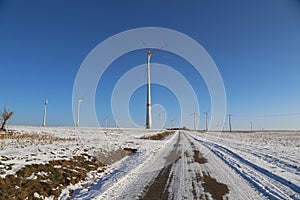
(268, 161)
(187, 165)
(42, 144)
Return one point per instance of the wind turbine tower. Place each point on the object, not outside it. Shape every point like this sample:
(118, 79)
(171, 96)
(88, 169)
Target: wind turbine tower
(117, 122)
(196, 115)
(78, 110)
(206, 116)
(161, 118)
(148, 112)
(229, 121)
(45, 112)
(172, 122)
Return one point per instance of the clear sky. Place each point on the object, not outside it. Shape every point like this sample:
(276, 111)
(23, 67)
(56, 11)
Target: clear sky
(255, 45)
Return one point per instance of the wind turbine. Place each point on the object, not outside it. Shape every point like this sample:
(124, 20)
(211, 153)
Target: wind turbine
(148, 107)
(78, 110)
(172, 122)
(229, 121)
(195, 114)
(106, 123)
(206, 118)
(161, 117)
(117, 122)
(148, 111)
(45, 112)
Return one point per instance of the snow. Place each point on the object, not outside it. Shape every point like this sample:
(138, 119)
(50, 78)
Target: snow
(268, 161)
(32, 177)
(26, 151)
(257, 165)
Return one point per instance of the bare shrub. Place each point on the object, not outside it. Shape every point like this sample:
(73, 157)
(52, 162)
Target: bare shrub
(5, 115)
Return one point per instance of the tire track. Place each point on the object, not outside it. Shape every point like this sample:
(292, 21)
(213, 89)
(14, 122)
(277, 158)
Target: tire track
(159, 188)
(267, 183)
(196, 182)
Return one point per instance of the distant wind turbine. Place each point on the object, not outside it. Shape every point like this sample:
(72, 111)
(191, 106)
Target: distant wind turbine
(206, 120)
(172, 122)
(161, 117)
(229, 121)
(78, 110)
(106, 123)
(45, 112)
(117, 122)
(196, 115)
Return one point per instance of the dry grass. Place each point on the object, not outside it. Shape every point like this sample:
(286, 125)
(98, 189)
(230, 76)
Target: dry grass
(159, 136)
(25, 139)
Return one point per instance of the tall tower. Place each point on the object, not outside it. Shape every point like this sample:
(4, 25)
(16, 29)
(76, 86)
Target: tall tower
(148, 112)
(78, 111)
(45, 112)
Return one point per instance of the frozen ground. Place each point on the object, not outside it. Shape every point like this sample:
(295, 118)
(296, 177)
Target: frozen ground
(268, 161)
(38, 145)
(186, 165)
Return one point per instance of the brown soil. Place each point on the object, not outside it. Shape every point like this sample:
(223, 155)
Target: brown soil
(216, 189)
(108, 159)
(198, 157)
(49, 179)
(159, 136)
(159, 188)
(46, 179)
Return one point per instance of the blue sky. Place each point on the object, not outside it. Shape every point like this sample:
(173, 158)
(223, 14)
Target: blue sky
(255, 45)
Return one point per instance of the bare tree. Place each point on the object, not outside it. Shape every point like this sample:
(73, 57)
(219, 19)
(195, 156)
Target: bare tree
(5, 115)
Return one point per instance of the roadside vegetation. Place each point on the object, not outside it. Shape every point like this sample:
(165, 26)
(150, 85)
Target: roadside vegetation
(22, 140)
(159, 136)
(5, 116)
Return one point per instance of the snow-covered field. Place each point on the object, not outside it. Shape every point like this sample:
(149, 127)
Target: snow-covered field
(258, 165)
(53, 143)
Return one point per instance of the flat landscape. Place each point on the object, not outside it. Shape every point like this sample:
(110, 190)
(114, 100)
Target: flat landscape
(95, 163)
(150, 100)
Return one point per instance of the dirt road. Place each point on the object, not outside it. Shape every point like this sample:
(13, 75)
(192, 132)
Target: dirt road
(184, 169)
(191, 167)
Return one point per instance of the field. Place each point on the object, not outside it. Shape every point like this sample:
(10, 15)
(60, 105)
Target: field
(94, 163)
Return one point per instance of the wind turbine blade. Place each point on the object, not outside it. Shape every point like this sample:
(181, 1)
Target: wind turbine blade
(145, 45)
(156, 50)
(83, 97)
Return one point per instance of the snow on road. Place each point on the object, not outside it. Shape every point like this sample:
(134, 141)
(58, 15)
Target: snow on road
(272, 169)
(243, 170)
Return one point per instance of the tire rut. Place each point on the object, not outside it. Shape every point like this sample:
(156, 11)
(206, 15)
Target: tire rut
(159, 188)
(201, 180)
